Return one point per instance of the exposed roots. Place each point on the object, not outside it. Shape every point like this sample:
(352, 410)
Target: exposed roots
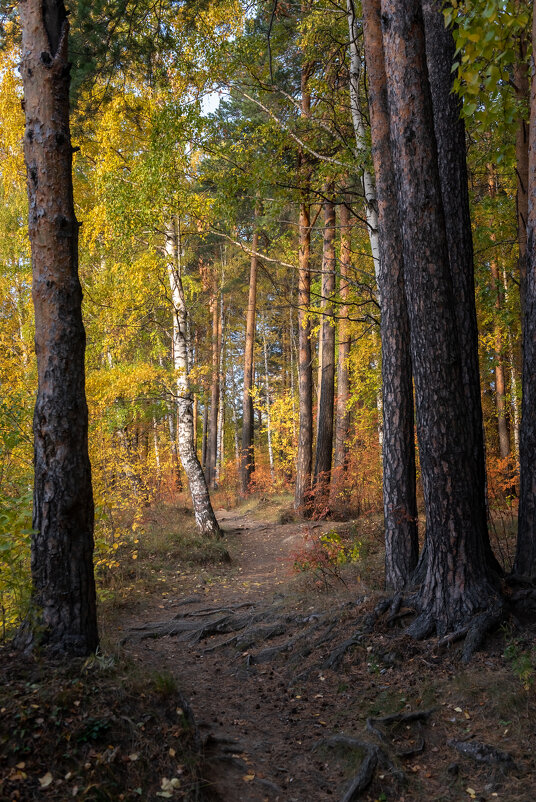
(374, 756)
(473, 632)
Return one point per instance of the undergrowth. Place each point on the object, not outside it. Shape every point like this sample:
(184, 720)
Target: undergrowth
(99, 729)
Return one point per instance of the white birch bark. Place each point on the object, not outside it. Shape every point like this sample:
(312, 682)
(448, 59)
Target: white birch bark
(203, 512)
(360, 138)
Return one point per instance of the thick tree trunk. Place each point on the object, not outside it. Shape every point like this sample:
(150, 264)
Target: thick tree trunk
(247, 459)
(399, 483)
(450, 136)
(342, 420)
(326, 394)
(203, 512)
(457, 583)
(525, 562)
(62, 543)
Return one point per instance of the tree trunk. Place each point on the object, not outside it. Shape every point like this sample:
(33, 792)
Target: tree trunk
(268, 404)
(342, 420)
(204, 435)
(62, 543)
(326, 394)
(457, 583)
(305, 371)
(369, 189)
(522, 90)
(174, 454)
(247, 461)
(449, 131)
(212, 438)
(399, 483)
(525, 562)
(203, 512)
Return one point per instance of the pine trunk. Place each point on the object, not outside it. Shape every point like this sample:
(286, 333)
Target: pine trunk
(449, 131)
(305, 370)
(525, 562)
(399, 482)
(342, 420)
(247, 461)
(62, 543)
(326, 394)
(457, 583)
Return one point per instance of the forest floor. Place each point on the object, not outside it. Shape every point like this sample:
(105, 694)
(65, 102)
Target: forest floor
(295, 696)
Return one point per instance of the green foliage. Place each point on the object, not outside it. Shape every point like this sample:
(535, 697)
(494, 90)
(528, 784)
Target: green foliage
(15, 534)
(491, 42)
(522, 662)
(324, 556)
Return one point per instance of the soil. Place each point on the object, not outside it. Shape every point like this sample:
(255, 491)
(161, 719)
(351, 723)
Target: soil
(256, 651)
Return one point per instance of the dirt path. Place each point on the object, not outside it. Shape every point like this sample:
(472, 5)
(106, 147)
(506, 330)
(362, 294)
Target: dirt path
(273, 670)
(258, 725)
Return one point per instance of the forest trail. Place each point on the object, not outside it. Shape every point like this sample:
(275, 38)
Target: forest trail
(276, 669)
(259, 727)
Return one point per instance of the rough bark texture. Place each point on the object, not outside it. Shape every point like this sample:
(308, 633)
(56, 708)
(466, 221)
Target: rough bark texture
(342, 419)
(62, 546)
(525, 562)
(457, 583)
(399, 483)
(203, 512)
(324, 440)
(449, 131)
(247, 457)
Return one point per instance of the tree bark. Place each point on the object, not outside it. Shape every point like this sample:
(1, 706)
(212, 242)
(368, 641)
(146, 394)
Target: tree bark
(326, 394)
(399, 482)
(62, 543)
(458, 582)
(342, 419)
(212, 437)
(371, 206)
(500, 382)
(525, 561)
(247, 459)
(449, 131)
(203, 512)
(305, 371)
(522, 90)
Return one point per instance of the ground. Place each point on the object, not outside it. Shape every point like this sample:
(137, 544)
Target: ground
(274, 665)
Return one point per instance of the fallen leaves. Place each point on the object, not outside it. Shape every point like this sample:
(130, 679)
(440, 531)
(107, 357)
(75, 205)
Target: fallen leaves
(46, 780)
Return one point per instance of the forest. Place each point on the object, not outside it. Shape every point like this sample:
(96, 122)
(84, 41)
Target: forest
(267, 400)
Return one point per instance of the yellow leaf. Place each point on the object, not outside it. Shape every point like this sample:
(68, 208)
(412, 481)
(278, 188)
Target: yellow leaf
(46, 780)
(248, 778)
